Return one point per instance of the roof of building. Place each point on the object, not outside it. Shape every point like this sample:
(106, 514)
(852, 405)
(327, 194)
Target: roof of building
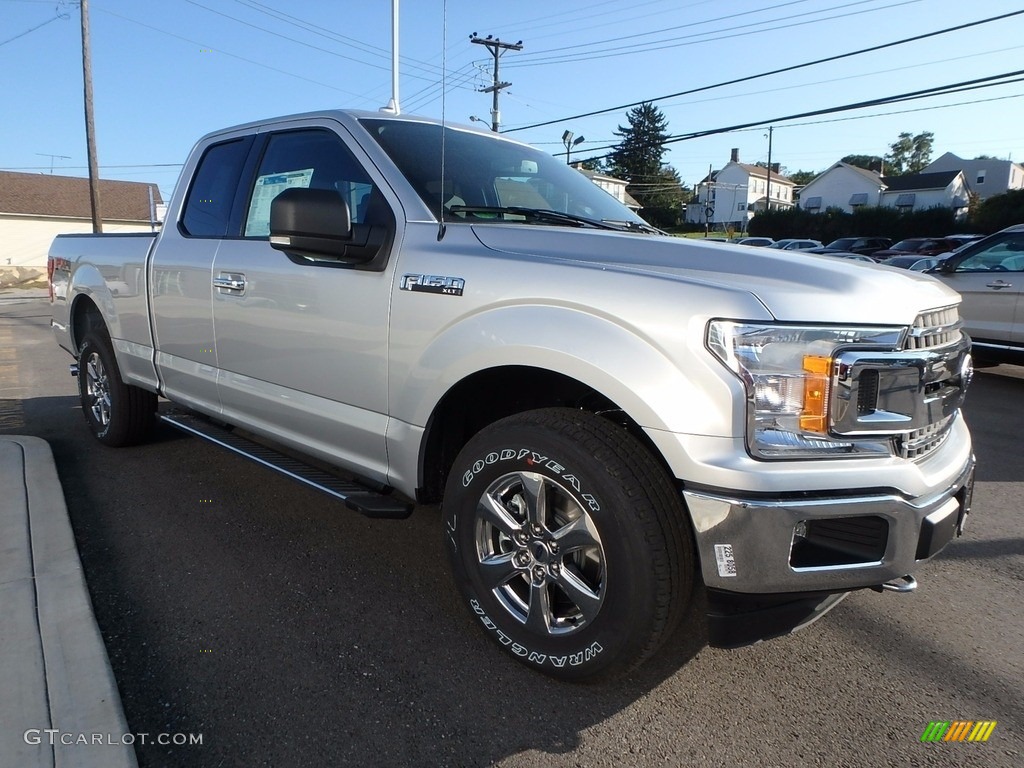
(36, 194)
(758, 171)
(938, 180)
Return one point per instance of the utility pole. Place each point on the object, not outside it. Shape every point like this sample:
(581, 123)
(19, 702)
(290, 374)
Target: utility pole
(768, 189)
(497, 48)
(90, 129)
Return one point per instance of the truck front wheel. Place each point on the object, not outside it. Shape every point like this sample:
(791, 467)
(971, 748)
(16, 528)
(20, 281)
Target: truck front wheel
(118, 414)
(569, 542)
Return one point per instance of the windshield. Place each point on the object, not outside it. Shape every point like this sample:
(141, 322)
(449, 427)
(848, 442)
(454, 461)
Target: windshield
(485, 171)
(843, 243)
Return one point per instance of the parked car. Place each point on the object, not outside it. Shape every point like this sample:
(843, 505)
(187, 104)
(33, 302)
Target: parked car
(921, 246)
(795, 244)
(758, 242)
(989, 274)
(913, 263)
(963, 239)
(865, 246)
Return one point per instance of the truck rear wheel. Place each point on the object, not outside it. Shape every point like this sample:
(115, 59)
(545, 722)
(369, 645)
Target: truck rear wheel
(569, 542)
(118, 414)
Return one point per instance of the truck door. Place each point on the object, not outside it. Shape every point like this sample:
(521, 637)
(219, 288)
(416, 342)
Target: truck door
(180, 277)
(302, 345)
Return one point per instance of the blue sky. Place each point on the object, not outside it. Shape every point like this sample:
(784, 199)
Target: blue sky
(167, 72)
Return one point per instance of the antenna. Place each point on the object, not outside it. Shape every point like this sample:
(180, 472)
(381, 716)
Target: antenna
(444, 72)
(52, 158)
(392, 106)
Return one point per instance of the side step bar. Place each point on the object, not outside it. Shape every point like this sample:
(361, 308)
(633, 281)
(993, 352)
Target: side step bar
(356, 497)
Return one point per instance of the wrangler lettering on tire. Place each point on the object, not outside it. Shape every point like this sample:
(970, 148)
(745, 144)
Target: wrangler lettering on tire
(569, 542)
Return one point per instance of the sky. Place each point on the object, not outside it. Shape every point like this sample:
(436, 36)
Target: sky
(167, 72)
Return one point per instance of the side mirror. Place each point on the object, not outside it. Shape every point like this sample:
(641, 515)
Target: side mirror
(944, 267)
(315, 223)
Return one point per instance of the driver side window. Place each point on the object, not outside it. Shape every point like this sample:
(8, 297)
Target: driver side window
(1006, 255)
(315, 159)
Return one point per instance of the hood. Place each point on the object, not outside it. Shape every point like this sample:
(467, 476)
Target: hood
(793, 286)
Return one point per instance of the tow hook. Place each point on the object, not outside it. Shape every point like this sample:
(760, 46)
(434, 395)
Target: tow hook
(902, 584)
(73, 369)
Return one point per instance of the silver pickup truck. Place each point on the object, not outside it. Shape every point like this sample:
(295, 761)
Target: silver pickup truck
(611, 419)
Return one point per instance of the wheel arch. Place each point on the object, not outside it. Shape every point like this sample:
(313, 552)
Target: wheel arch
(487, 396)
(85, 316)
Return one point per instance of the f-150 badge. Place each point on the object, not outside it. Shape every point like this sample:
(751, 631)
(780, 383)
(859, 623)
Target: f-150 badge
(450, 286)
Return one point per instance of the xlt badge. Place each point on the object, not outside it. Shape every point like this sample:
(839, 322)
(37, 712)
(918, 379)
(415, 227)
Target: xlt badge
(450, 286)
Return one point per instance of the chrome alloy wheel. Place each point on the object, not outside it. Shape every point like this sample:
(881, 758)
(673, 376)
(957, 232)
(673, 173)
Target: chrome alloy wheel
(540, 554)
(97, 387)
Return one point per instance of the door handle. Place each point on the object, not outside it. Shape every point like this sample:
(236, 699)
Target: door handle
(999, 284)
(230, 283)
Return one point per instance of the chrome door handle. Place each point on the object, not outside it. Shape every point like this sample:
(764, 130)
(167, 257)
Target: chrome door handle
(230, 283)
(999, 284)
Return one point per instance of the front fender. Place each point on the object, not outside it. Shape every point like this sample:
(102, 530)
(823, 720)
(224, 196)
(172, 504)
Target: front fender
(673, 386)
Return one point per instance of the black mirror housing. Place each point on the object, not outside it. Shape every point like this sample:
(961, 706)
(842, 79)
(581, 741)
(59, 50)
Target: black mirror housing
(315, 223)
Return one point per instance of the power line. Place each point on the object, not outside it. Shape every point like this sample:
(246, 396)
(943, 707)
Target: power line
(941, 90)
(760, 75)
(33, 29)
(530, 58)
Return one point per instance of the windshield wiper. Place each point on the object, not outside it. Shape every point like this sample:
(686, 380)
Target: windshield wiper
(500, 213)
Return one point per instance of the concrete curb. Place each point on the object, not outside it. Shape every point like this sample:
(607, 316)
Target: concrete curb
(54, 670)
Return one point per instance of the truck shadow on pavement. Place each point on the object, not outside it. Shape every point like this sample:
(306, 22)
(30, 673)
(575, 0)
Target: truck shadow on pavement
(288, 630)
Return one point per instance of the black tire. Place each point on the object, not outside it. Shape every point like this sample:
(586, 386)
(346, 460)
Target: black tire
(118, 414)
(569, 542)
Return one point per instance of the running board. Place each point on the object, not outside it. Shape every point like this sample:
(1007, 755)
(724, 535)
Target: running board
(356, 497)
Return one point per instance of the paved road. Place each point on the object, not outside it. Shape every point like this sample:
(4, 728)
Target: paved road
(291, 632)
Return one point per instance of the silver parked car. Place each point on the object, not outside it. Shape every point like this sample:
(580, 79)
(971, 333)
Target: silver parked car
(989, 274)
(795, 244)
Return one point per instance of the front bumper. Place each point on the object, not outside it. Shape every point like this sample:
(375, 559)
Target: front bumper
(825, 542)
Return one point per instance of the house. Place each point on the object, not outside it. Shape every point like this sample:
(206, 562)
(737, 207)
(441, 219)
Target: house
(34, 208)
(986, 177)
(917, 191)
(613, 186)
(842, 186)
(848, 187)
(733, 194)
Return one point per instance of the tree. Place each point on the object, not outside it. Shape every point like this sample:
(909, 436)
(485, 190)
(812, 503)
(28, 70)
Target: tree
(909, 154)
(801, 178)
(637, 159)
(867, 162)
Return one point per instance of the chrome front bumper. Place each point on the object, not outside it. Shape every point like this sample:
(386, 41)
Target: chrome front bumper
(761, 545)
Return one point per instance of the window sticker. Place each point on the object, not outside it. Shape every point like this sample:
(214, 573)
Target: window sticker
(257, 223)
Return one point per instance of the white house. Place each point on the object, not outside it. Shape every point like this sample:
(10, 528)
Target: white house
(842, 186)
(613, 186)
(34, 208)
(917, 191)
(986, 177)
(732, 195)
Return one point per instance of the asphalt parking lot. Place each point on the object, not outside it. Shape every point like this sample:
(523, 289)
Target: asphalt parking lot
(289, 631)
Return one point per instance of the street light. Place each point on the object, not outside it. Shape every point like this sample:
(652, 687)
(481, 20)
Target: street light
(570, 143)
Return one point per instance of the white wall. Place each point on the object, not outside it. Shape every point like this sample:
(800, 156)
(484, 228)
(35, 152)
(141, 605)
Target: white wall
(25, 240)
(836, 186)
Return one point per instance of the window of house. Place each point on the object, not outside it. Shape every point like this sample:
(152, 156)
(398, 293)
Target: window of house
(906, 200)
(813, 203)
(858, 198)
(741, 206)
(980, 178)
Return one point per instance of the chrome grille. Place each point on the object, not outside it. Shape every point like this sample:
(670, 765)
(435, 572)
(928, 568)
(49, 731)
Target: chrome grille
(935, 328)
(921, 442)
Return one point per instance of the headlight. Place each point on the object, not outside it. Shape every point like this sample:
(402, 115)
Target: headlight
(787, 373)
